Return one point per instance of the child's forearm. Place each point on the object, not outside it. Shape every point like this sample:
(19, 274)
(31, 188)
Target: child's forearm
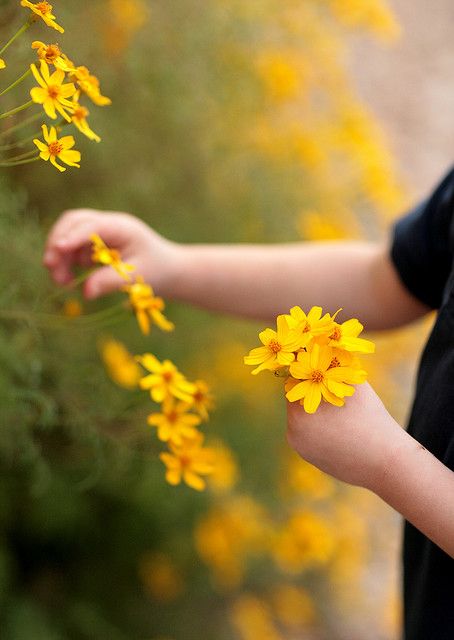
(261, 281)
(421, 488)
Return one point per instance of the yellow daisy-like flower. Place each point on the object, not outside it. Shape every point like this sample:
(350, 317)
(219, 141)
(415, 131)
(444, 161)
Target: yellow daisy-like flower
(345, 336)
(79, 119)
(54, 148)
(174, 422)
(89, 84)
(147, 306)
(278, 350)
(52, 93)
(44, 11)
(120, 364)
(202, 400)
(50, 53)
(311, 325)
(101, 254)
(2, 64)
(321, 377)
(188, 462)
(164, 381)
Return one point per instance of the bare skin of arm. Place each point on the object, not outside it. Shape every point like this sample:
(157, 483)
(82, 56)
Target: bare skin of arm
(253, 281)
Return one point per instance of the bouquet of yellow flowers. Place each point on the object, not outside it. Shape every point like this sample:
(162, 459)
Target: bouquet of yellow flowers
(317, 355)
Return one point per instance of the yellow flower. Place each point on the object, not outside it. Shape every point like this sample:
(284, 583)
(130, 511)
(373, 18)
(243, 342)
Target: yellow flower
(165, 380)
(52, 93)
(278, 350)
(120, 364)
(252, 619)
(310, 325)
(293, 605)
(50, 53)
(79, 119)
(44, 11)
(225, 473)
(202, 400)
(174, 422)
(188, 462)
(147, 306)
(103, 255)
(57, 148)
(89, 84)
(321, 378)
(72, 308)
(2, 63)
(345, 336)
(160, 577)
(305, 541)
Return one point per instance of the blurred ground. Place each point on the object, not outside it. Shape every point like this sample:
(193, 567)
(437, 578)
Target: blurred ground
(409, 86)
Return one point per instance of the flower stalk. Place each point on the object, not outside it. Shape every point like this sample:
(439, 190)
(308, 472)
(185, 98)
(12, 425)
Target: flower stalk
(16, 82)
(22, 30)
(22, 107)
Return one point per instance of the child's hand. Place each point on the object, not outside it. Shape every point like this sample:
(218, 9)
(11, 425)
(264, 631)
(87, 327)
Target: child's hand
(69, 244)
(354, 443)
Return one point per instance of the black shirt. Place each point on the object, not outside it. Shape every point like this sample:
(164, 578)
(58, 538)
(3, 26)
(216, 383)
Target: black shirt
(423, 254)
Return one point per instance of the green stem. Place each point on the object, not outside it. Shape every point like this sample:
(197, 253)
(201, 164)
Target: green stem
(93, 320)
(22, 124)
(69, 287)
(18, 81)
(22, 30)
(16, 110)
(20, 143)
(15, 164)
(27, 154)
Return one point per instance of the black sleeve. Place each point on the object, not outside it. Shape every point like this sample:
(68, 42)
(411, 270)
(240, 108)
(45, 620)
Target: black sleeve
(421, 248)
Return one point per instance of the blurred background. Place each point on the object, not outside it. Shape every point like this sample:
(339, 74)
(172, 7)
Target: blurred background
(231, 121)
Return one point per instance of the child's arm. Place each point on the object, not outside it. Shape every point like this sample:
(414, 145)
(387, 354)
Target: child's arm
(363, 445)
(256, 281)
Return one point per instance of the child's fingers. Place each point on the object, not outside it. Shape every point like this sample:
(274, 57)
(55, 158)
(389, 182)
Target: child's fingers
(103, 281)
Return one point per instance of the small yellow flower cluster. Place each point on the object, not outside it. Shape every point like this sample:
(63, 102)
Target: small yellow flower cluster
(184, 404)
(55, 94)
(317, 355)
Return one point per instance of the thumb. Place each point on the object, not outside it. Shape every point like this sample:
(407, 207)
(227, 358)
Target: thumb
(104, 280)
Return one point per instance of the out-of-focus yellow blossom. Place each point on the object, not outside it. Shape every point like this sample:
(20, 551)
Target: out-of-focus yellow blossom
(147, 306)
(278, 350)
(282, 75)
(305, 542)
(54, 148)
(351, 555)
(123, 19)
(164, 381)
(375, 15)
(228, 534)
(188, 462)
(72, 308)
(79, 119)
(2, 64)
(44, 11)
(160, 577)
(225, 469)
(50, 53)
(102, 254)
(174, 422)
(52, 93)
(316, 226)
(89, 84)
(321, 378)
(252, 619)
(202, 399)
(345, 336)
(304, 479)
(120, 364)
(293, 606)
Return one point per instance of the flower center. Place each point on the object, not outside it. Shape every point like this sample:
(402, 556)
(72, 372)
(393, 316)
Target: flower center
(317, 376)
(79, 114)
(167, 376)
(53, 91)
(55, 148)
(43, 7)
(337, 334)
(172, 416)
(52, 52)
(334, 363)
(307, 327)
(274, 346)
(185, 461)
